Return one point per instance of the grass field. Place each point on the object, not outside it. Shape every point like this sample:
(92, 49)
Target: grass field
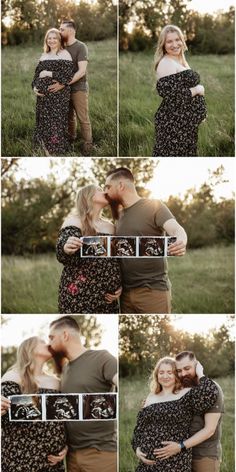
(18, 100)
(139, 102)
(202, 282)
(132, 393)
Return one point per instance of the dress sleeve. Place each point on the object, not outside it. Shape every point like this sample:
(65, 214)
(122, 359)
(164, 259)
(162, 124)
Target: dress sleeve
(64, 234)
(65, 72)
(173, 90)
(138, 431)
(36, 75)
(203, 396)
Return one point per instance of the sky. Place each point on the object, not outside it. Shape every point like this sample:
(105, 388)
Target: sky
(171, 177)
(200, 324)
(210, 6)
(19, 327)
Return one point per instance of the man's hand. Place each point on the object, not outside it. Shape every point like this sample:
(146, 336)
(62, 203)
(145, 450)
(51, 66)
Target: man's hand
(55, 459)
(55, 87)
(142, 457)
(109, 297)
(177, 249)
(37, 92)
(5, 405)
(170, 449)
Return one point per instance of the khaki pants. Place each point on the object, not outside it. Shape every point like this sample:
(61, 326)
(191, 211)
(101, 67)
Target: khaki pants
(206, 464)
(146, 300)
(91, 460)
(79, 109)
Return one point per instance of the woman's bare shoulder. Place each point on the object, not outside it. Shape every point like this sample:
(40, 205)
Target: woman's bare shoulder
(72, 220)
(12, 376)
(43, 56)
(166, 67)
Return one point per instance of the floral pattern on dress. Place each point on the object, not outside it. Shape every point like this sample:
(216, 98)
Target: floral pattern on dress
(25, 446)
(84, 282)
(179, 115)
(170, 421)
(52, 110)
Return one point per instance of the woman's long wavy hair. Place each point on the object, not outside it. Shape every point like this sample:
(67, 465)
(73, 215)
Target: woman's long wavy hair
(25, 365)
(160, 50)
(46, 48)
(84, 209)
(155, 386)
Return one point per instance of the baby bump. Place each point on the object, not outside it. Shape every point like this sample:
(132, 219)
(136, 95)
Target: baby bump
(43, 84)
(199, 109)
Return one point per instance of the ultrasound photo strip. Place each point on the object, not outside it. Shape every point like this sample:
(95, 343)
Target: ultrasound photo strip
(126, 246)
(63, 407)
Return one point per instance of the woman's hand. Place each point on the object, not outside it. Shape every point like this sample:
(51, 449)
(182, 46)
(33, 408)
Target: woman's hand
(72, 245)
(199, 370)
(111, 297)
(37, 92)
(142, 457)
(5, 405)
(55, 459)
(45, 73)
(198, 90)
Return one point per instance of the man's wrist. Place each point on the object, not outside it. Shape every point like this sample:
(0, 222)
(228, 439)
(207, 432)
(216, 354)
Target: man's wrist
(182, 445)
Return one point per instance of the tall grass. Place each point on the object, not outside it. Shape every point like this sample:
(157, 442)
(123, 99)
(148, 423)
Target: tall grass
(133, 391)
(139, 102)
(202, 282)
(18, 100)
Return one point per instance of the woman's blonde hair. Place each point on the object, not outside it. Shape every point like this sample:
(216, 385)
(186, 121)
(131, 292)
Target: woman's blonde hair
(46, 48)
(155, 386)
(25, 365)
(84, 209)
(160, 50)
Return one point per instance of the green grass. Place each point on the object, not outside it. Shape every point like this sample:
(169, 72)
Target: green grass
(202, 282)
(139, 102)
(18, 100)
(133, 392)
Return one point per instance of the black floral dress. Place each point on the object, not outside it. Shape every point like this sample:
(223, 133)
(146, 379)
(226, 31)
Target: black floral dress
(84, 282)
(25, 446)
(170, 421)
(179, 115)
(52, 110)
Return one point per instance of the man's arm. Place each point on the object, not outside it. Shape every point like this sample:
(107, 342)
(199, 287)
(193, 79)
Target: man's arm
(173, 228)
(115, 380)
(82, 65)
(171, 448)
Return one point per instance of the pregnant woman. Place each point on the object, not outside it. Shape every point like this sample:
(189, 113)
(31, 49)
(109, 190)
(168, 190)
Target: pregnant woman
(88, 285)
(167, 416)
(52, 109)
(34, 446)
(183, 106)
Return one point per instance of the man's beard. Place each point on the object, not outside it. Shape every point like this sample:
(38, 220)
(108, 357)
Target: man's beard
(188, 381)
(115, 207)
(58, 358)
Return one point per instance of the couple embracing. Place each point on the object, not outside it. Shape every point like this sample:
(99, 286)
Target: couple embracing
(95, 285)
(60, 83)
(39, 446)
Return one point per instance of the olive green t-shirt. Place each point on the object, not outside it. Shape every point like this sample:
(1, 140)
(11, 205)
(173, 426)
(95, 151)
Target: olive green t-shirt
(92, 372)
(211, 447)
(78, 52)
(144, 218)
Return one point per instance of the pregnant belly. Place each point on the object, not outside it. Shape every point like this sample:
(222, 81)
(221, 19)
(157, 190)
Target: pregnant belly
(199, 109)
(43, 84)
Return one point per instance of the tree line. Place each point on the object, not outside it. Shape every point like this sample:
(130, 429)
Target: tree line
(34, 209)
(141, 22)
(146, 339)
(26, 21)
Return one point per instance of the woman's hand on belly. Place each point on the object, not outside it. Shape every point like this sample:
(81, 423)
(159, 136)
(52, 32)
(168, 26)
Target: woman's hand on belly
(142, 457)
(45, 73)
(198, 90)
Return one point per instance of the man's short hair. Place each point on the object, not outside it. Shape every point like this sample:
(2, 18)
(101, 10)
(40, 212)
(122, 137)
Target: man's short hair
(121, 172)
(183, 354)
(65, 322)
(69, 23)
